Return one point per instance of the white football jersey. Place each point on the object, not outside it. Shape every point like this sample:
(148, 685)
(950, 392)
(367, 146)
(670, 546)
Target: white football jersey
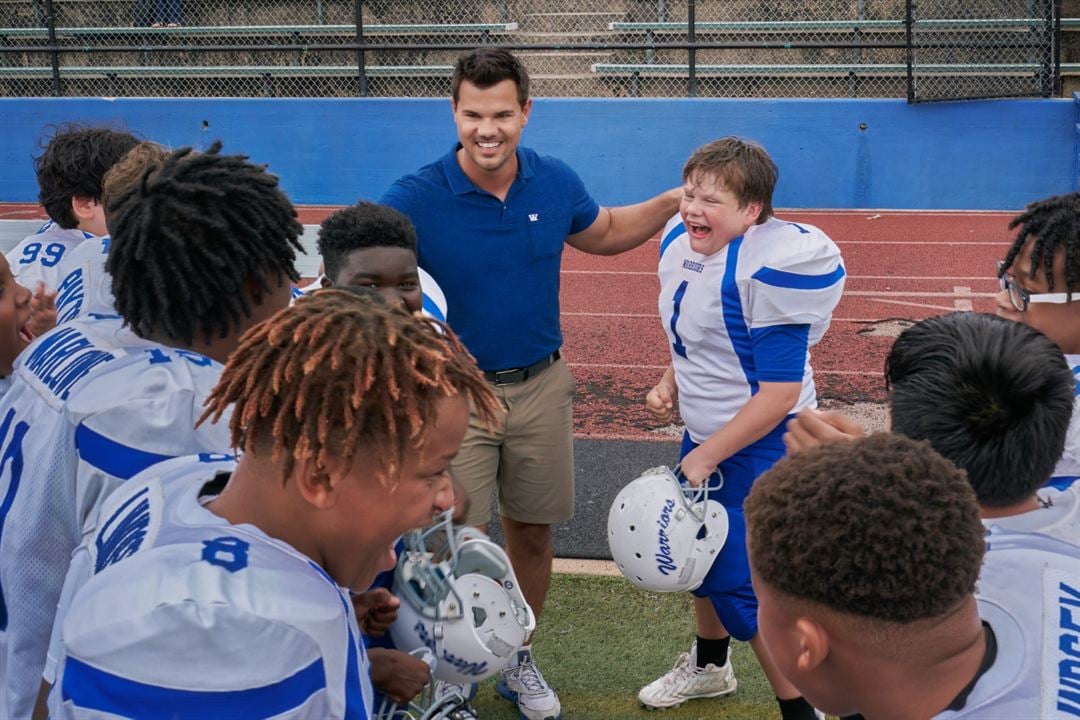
(1069, 465)
(37, 258)
(1058, 516)
(434, 301)
(182, 615)
(713, 306)
(92, 405)
(85, 288)
(1029, 594)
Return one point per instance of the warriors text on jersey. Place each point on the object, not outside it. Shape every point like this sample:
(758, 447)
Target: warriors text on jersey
(92, 404)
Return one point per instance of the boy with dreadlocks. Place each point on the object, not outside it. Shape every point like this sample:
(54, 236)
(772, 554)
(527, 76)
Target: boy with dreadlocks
(70, 173)
(1040, 286)
(202, 249)
(348, 413)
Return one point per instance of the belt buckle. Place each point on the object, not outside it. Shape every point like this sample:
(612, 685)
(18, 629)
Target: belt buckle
(510, 377)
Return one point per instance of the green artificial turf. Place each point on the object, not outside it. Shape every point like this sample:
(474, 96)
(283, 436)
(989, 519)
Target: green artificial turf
(601, 639)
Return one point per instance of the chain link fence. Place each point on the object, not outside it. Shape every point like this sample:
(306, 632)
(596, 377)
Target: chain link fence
(992, 48)
(594, 48)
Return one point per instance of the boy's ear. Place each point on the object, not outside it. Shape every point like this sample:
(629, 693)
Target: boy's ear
(83, 208)
(319, 486)
(813, 644)
(754, 208)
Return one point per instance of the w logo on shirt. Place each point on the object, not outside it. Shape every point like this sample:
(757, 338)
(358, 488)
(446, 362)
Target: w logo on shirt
(533, 217)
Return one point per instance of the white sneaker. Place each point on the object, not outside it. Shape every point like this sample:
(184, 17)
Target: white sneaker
(687, 681)
(523, 684)
(451, 702)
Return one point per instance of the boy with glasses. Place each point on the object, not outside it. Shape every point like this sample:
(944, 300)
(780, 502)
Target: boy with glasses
(1040, 287)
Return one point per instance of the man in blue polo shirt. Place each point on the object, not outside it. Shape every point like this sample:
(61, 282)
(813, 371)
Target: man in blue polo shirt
(492, 218)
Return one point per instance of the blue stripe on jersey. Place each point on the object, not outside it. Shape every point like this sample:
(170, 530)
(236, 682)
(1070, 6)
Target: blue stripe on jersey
(297, 293)
(356, 706)
(780, 352)
(432, 309)
(796, 281)
(1062, 482)
(734, 320)
(670, 237)
(114, 458)
(94, 689)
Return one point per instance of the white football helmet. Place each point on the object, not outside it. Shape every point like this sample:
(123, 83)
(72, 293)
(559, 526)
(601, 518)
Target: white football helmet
(460, 599)
(665, 535)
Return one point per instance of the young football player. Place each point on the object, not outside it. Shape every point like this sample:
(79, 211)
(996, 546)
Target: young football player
(993, 396)
(69, 174)
(743, 296)
(1040, 286)
(85, 286)
(95, 402)
(865, 556)
(374, 246)
(348, 413)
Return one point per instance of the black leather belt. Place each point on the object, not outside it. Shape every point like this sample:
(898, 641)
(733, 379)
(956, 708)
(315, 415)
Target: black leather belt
(513, 376)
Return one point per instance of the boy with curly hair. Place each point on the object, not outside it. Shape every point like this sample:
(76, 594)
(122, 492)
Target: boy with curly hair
(865, 557)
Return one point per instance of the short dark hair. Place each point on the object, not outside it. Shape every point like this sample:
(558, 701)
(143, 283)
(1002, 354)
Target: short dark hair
(992, 395)
(742, 166)
(881, 527)
(1054, 223)
(485, 67)
(361, 226)
(73, 164)
(189, 236)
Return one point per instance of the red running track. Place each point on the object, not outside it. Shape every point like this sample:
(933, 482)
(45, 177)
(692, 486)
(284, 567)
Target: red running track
(902, 266)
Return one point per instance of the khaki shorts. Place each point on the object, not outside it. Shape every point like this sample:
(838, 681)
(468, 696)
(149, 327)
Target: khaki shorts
(528, 457)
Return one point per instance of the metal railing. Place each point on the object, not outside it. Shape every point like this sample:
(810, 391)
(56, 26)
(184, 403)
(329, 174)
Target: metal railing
(925, 50)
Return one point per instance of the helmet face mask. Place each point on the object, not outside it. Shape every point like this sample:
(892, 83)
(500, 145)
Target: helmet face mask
(461, 600)
(664, 535)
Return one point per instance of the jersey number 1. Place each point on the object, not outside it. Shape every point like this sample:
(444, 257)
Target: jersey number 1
(678, 346)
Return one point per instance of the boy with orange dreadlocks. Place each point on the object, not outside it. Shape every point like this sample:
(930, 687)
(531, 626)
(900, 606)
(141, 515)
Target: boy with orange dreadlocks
(234, 575)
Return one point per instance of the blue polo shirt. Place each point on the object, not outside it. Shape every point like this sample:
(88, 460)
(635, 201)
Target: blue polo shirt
(497, 261)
